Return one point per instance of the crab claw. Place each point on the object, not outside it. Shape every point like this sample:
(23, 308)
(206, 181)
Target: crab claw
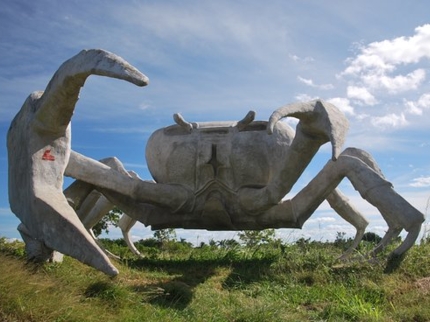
(55, 107)
(38, 153)
(318, 119)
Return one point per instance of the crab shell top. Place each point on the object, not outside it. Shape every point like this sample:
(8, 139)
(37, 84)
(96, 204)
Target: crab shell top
(215, 160)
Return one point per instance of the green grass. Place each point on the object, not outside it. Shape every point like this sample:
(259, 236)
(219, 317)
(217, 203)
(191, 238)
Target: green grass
(176, 282)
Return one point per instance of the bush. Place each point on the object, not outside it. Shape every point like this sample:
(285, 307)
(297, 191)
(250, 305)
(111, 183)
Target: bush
(252, 238)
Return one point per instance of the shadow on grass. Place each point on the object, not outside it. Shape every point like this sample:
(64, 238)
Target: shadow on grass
(170, 294)
(393, 263)
(178, 292)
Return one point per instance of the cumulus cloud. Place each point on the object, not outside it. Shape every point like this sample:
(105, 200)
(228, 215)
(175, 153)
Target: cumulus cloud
(361, 94)
(424, 100)
(343, 104)
(390, 120)
(396, 84)
(416, 107)
(389, 68)
(384, 56)
(412, 108)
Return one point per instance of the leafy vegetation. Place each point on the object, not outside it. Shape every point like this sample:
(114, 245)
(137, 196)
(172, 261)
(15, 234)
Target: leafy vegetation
(219, 281)
(252, 238)
(110, 219)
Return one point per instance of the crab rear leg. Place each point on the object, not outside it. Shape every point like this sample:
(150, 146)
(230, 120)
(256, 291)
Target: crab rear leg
(94, 208)
(343, 207)
(391, 233)
(91, 205)
(396, 211)
(293, 213)
(126, 223)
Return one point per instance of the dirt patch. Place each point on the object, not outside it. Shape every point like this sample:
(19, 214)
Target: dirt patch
(423, 285)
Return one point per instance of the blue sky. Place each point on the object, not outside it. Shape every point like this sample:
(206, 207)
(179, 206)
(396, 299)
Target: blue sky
(216, 60)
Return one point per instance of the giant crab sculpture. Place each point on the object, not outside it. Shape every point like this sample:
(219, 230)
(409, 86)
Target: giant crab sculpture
(214, 175)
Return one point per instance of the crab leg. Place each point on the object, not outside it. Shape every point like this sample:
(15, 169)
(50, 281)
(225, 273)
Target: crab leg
(91, 206)
(95, 207)
(320, 122)
(94, 172)
(391, 233)
(343, 208)
(126, 223)
(341, 204)
(39, 151)
(398, 213)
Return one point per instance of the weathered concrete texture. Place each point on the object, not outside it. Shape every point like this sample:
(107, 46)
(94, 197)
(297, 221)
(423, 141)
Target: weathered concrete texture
(240, 174)
(212, 175)
(39, 151)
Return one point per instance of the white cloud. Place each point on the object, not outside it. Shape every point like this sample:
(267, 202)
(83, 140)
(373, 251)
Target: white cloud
(386, 55)
(343, 104)
(341, 228)
(396, 84)
(321, 220)
(294, 57)
(420, 182)
(300, 59)
(310, 82)
(390, 67)
(413, 108)
(390, 120)
(304, 97)
(416, 107)
(361, 94)
(424, 100)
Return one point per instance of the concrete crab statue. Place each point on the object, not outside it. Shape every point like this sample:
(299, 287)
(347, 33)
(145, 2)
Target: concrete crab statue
(213, 175)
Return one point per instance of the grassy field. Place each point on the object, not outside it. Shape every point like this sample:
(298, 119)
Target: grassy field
(222, 282)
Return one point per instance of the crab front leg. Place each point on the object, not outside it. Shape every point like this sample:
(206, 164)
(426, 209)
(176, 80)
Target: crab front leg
(148, 202)
(396, 211)
(320, 122)
(170, 196)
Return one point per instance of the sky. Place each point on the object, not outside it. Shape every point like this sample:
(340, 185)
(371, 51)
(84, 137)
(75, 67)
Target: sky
(215, 61)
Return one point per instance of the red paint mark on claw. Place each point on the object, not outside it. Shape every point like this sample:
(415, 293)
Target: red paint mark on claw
(48, 156)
